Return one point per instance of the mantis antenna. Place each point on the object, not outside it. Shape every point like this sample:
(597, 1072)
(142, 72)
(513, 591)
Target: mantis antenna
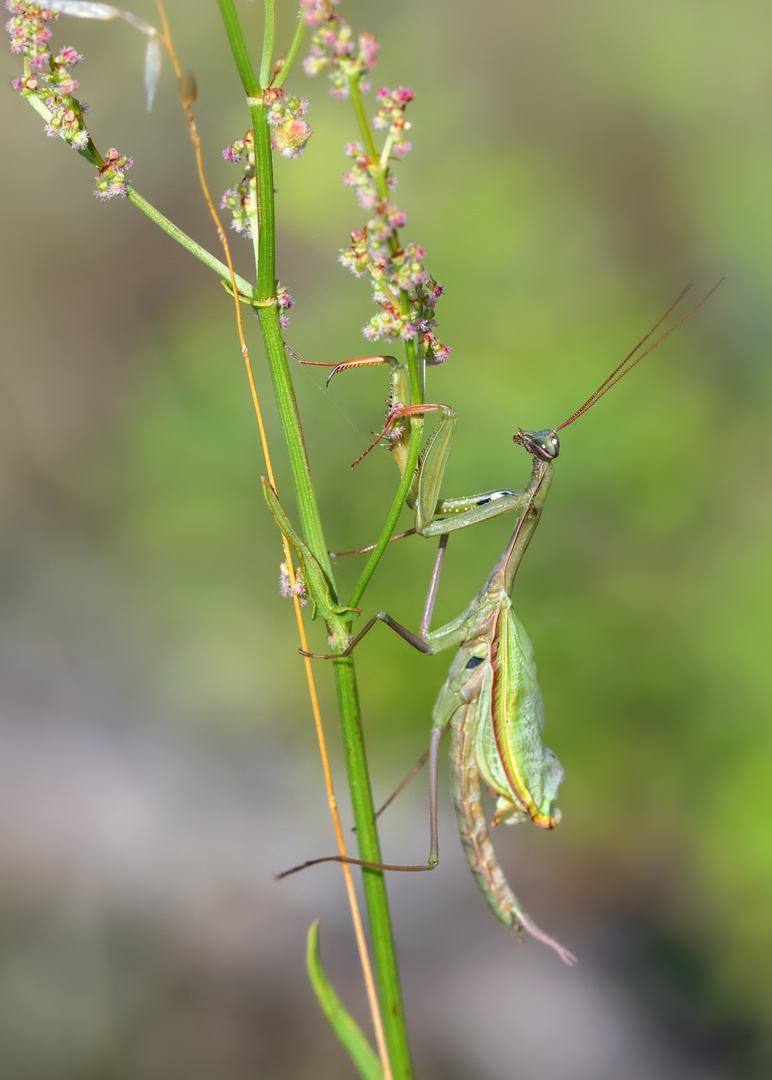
(629, 363)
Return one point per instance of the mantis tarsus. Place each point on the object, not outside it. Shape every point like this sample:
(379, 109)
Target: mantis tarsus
(491, 700)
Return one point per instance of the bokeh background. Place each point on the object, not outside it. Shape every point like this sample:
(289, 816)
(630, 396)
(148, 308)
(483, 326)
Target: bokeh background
(574, 165)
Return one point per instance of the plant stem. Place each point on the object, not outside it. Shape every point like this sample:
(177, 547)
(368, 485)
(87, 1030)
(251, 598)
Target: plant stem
(244, 287)
(396, 508)
(376, 897)
(345, 681)
(292, 52)
(239, 47)
(364, 125)
(269, 32)
(274, 345)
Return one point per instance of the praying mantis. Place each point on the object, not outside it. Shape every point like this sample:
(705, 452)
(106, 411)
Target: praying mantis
(491, 700)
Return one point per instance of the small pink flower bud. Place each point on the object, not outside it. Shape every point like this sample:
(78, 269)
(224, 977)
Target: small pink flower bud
(299, 587)
(290, 138)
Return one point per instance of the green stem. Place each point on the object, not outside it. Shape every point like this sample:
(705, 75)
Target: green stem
(239, 47)
(384, 953)
(292, 52)
(415, 369)
(245, 288)
(379, 172)
(265, 240)
(274, 345)
(391, 521)
(364, 123)
(376, 897)
(269, 33)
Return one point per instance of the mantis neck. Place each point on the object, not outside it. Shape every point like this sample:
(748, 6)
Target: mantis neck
(505, 571)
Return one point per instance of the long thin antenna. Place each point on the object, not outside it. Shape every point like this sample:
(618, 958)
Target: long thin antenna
(629, 363)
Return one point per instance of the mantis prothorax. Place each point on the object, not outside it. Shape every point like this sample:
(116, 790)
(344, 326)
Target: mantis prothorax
(491, 699)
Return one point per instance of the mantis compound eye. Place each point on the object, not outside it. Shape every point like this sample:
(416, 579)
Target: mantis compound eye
(543, 444)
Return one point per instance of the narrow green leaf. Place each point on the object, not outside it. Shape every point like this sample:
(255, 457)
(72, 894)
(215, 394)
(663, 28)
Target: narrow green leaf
(347, 1030)
(318, 587)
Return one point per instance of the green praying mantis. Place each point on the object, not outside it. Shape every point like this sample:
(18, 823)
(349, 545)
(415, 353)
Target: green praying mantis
(491, 700)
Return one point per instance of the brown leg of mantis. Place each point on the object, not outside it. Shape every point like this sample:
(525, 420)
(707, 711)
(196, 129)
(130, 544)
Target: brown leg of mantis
(434, 854)
(370, 547)
(415, 640)
(413, 772)
(434, 584)
(380, 616)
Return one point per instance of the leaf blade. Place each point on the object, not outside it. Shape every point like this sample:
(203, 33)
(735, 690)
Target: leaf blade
(342, 1023)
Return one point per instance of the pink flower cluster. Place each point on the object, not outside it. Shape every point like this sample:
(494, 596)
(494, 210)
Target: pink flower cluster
(334, 49)
(112, 179)
(49, 79)
(289, 133)
(298, 589)
(391, 116)
(317, 12)
(29, 33)
(47, 76)
(395, 270)
(284, 302)
(237, 199)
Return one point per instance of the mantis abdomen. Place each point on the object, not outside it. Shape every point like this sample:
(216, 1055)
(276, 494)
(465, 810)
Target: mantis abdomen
(476, 841)
(469, 689)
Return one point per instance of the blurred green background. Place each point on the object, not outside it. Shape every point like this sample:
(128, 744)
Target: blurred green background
(574, 165)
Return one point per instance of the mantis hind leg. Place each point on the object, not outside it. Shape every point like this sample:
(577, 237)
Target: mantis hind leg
(406, 780)
(434, 857)
(418, 642)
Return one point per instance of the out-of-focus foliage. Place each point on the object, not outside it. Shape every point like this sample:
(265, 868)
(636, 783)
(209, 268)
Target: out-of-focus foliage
(574, 165)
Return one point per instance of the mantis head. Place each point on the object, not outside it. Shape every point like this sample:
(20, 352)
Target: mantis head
(542, 444)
